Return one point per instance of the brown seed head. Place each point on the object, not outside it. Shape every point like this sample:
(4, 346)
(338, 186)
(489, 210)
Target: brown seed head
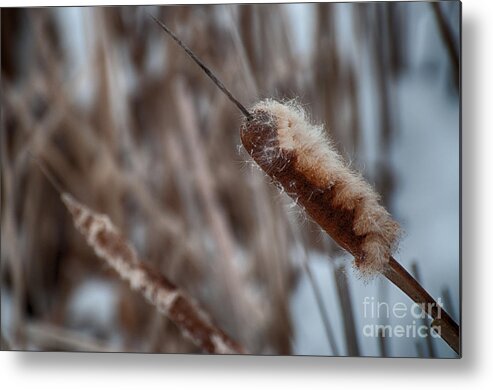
(299, 156)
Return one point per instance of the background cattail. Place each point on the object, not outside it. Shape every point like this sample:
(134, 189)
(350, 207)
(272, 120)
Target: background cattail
(111, 246)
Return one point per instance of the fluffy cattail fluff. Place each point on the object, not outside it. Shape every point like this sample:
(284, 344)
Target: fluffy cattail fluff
(299, 156)
(110, 245)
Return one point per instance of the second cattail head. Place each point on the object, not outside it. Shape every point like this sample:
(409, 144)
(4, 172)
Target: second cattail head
(299, 156)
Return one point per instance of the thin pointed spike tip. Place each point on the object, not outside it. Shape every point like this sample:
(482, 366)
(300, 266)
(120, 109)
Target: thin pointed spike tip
(206, 70)
(47, 174)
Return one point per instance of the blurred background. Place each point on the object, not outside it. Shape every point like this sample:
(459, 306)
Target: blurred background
(132, 128)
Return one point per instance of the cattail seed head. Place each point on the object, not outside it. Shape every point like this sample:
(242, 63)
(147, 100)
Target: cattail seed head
(300, 157)
(111, 246)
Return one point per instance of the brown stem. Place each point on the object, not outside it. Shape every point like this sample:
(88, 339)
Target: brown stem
(429, 340)
(442, 322)
(321, 307)
(347, 312)
(448, 39)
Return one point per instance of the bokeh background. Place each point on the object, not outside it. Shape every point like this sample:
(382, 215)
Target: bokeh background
(130, 126)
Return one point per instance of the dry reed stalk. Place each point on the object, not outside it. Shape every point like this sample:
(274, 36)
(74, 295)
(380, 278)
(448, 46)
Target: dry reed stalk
(382, 346)
(442, 322)
(317, 292)
(347, 312)
(234, 284)
(428, 340)
(448, 40)
(10, 245)
(321, 306)
(50, 337)
(4, 344)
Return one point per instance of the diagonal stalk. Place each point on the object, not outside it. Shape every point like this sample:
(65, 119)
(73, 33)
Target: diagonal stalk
(445, 326)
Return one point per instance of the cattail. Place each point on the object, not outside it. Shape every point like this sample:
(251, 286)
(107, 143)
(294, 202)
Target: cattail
(299, 156)
(111, 246)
